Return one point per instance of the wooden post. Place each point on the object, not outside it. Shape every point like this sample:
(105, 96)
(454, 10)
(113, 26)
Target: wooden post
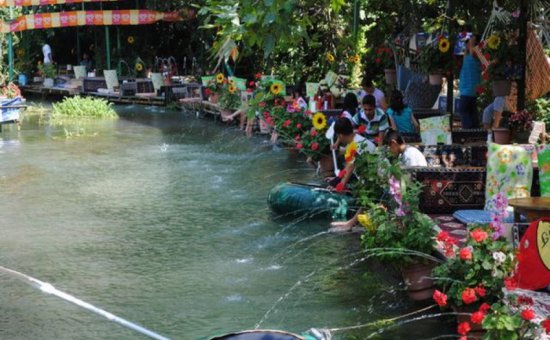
(524, 18)
(450, 77)
(10, 50)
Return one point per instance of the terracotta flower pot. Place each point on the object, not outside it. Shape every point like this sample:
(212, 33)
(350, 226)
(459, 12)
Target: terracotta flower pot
(502, 136)
(214, 97)
(501, 88)
(435, 79)
(418, 280)
(391, 76)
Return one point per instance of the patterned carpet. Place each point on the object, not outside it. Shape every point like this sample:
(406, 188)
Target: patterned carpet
(451, 225)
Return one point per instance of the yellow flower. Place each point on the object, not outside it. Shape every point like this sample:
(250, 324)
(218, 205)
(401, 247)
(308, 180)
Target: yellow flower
(131, 40)
(319, 121)
(275, 88)
(493, 42)
(351, 152)
(366, 222)
(444, 45)
(330, 57)
(232, 89)
(139, 67)
(232, 82)
(220, 78)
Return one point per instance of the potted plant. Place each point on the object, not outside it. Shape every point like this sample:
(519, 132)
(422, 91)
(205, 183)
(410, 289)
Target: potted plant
(230, 99)
(502, 51)
(403, 235)
(520, 124)
(474, 274)
(314, 144)
(48, 72)
(436, 59)
(213, 88)
(384, 58)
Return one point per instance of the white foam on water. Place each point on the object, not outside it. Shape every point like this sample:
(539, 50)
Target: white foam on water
(244, 261)
(274, 267)
(234, 298)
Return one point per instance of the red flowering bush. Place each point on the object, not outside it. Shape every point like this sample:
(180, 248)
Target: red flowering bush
(476, 272)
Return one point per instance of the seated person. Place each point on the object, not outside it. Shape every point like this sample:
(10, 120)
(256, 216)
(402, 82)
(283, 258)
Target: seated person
(401, 116)
(297, 100)
(369, 89)
(372, 120)
(408, 156)
(344, 130)
(86, 62)
(350, 106)
(492, 114)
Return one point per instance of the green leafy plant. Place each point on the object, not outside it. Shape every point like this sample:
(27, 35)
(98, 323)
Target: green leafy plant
(84, 107)
(230, 98)
(477, 271)
(502, 51)
(512, 318)
(313, 141)
(400, 227)
(437, 57)
(47, 70)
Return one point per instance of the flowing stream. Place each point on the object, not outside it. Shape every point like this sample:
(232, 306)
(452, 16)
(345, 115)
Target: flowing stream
(161, 218)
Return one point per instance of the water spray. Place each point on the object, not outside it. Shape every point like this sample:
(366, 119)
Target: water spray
(48, 288)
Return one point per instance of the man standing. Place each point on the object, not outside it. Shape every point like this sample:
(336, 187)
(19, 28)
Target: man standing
(47, 51)
(470, 78)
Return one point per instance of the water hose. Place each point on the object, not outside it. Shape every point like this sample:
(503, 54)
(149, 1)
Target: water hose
(48, 288)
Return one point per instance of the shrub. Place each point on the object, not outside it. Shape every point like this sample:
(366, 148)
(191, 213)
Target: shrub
(84, 107)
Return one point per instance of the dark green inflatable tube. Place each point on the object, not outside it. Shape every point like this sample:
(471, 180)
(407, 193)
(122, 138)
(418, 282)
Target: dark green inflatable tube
(296, 199)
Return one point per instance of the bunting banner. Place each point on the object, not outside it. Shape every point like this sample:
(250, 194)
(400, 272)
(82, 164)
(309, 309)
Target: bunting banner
(87, 18)
(22, 3)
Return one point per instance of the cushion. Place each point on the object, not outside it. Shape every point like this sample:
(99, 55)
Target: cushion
(478, 217)
(435, 130)
(447, 189)
(421, 95)
(509, 170)
(544, 170)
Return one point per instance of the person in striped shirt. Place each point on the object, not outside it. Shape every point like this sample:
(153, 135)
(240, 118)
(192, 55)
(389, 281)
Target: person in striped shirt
(370, 121)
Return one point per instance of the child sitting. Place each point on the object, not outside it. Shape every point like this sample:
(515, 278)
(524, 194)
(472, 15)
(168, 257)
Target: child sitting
(372, 122)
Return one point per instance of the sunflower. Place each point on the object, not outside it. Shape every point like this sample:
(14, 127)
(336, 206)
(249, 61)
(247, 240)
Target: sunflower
(131, 40)
(493, 42)
(220, 78)
(330, 57)
(366, 222)
(275, 88)
(351, 152)
(319, 121)
(444, 45)
(232, 89)
(139, 67)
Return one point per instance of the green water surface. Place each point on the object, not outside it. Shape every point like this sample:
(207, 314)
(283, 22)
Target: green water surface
(162, 219)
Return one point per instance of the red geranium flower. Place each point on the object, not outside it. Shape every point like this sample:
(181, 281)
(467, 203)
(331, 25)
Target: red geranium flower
(440, 298)
(469, 296)
(546, 325)
(261, 104)
(525, 300)
(528, 314)
(510, 283)
(299, 146)
(477, 318)
(483, 67)
(466, 254)
(308, 112)
(378, 60)
(251, 84)
(298, 126)
(297, 137)
(361, 129)
(464, 328)
(480, 90)
(287, 123)
(478, 235)
(207, 92)
(313, 133)
(258, 76)
(249, 90)
(484, 307)
(485, 76)
(340, 187)
(480, 291)
(487, 56)
(315, 146)
(443, 236)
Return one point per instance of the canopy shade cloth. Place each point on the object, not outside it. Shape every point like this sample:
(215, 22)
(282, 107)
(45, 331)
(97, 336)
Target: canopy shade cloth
(87, 18)
(6, 3)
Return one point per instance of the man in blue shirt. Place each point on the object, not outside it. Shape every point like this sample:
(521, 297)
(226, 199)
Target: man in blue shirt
(470, 78)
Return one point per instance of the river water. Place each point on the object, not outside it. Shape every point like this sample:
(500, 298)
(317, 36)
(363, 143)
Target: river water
(161, 218)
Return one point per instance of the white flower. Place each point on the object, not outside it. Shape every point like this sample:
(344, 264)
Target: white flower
(499, 257)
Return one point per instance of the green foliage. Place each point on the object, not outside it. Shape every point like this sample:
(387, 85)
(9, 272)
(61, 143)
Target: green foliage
(541, 110)
(435, 59)
(230, 98)
(397, 220)
(84, 107)
(491, 262)
(504, 321)
(47, 70)
(374, 171)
